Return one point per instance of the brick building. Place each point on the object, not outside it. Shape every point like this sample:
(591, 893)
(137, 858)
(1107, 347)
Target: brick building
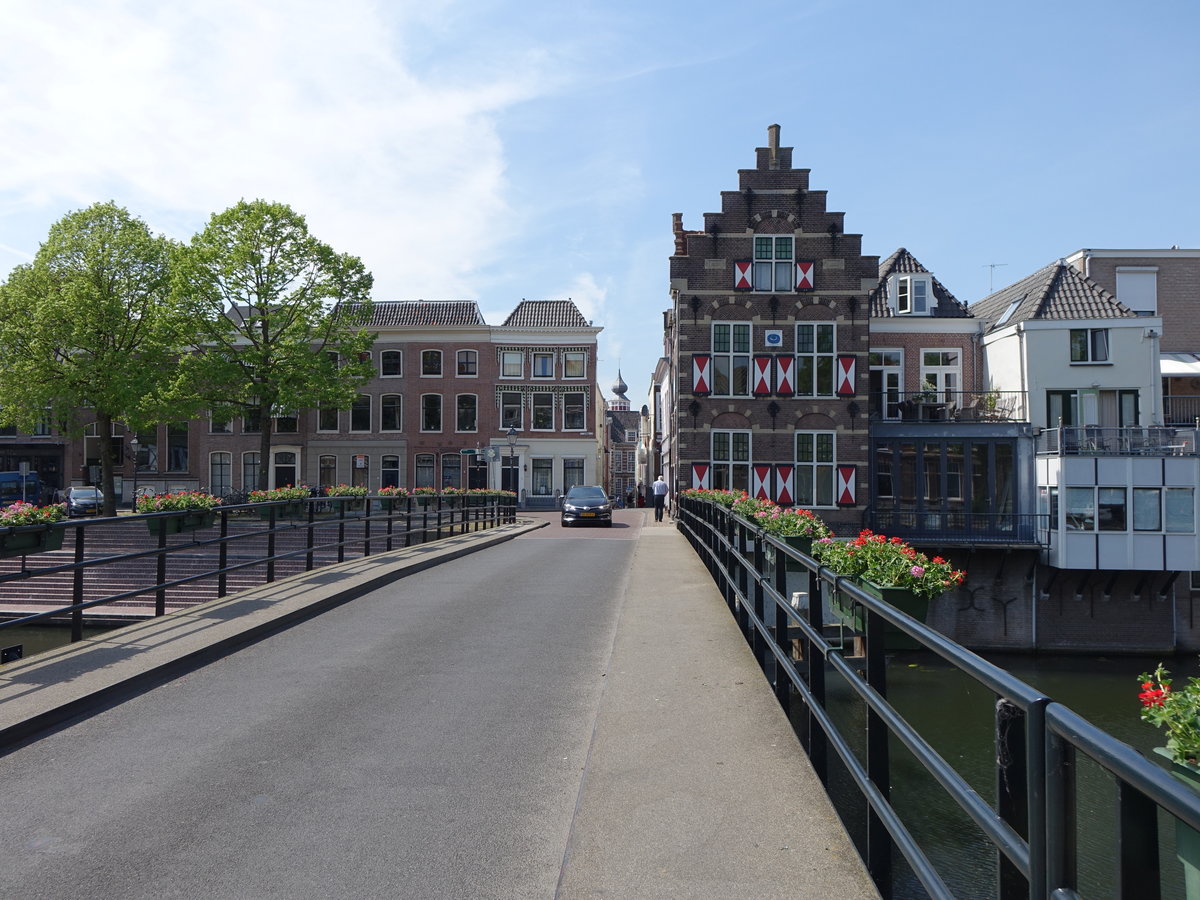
(770, 329)
(446, 382)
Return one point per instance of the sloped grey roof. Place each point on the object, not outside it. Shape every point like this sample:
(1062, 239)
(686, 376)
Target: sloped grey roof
(1057, 291)
(620, 421)
(390, 313)
(904, 263)
(546, 314)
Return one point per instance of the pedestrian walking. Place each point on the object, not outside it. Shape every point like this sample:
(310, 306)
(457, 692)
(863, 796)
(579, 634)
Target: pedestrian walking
(660, 498)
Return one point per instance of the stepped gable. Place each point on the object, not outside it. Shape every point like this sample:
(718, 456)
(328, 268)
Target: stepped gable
(904, 263)
(1057, 291)
(546, 314)
(392, 313)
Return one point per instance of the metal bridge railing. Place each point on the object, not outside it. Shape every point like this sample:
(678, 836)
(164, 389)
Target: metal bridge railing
(1032, 821)
(245, 546)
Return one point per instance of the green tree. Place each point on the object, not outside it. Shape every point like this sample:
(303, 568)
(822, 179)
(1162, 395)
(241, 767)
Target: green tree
(278, 319)
(87, 336)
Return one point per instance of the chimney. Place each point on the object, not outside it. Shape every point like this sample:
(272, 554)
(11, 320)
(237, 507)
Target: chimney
(680, 239)
(773, 144)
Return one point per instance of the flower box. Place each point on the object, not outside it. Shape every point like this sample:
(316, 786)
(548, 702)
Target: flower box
(180, 522)
(844, 609)
(799, 542)
(286, 511)
(1187, 839)
(31, 540)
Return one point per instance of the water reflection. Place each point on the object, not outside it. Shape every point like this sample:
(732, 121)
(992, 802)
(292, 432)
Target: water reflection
(956, 716)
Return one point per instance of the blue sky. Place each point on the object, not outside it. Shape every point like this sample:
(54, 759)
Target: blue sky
(497, 151)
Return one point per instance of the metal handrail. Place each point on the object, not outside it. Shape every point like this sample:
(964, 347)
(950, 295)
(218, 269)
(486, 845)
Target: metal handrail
(406, 521)
(1037, 738)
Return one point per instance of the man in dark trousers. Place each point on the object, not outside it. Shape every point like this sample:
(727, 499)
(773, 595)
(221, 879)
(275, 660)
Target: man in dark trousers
(659, 488)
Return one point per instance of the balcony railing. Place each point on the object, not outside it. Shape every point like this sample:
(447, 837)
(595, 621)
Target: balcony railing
(1096, 440)
(1181, 410)
(949, 406)
(952, 527)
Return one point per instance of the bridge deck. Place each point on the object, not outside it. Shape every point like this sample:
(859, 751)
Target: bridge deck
(611, 736)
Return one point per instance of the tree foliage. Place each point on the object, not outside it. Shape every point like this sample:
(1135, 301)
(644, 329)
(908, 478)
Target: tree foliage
(87, 334)
(278, 319)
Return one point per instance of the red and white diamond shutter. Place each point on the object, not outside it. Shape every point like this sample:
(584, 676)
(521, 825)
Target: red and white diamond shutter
(785, 484)
(760, 487)
(804, 274)
(741, 275)
(845, 376)
(762, 376)
(700, 473)
(785, 369)
(700, 373)
(846, 485)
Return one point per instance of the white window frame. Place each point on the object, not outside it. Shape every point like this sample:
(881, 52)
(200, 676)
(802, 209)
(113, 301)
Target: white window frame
(1098, 349)
(533, 408)
(533, 370)
(820, 373)
(571, 357)
(465, 355)
(506, 360)
(520, 406)
(457, 425)
(441, 413)
(387, 355)
(1140, 290)
(815, 468)
(383, 426)
(943, 378)
(889, 363)
(773, 272)
(359, 407)
(912, 295)
(440, 360)
(227, 488)
(583, 410)
(214, 427)
(725, 363)
(336, 420)
(729, 467)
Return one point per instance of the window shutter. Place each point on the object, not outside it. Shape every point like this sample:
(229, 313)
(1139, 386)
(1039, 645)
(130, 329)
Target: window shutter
(741, 275)
(846, 485)
(762, 376)
(785, 368)
(785, 484)
(700, 370)
(804, 274)
(700, 475)
(845, 376)
(760, 489)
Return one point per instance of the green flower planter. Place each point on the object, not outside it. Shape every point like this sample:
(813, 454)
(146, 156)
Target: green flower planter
(844, 610)
(1187, 839)
(287, 511)
(181, 522)
(797, 542)
(21, 543)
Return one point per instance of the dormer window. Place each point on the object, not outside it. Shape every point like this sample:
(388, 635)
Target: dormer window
(912, 293)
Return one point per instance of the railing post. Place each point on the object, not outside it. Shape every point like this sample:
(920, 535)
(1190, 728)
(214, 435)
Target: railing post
(783, 684)
(160, 594)
(1061, 853)
(817, 742)
(271, 543)
(1012, 790)
(77, 587)
(341, 530)
(310, 536)
(760, 643)
(223, 555)
(879, 842)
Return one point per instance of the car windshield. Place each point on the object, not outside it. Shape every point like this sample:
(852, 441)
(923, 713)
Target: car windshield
(586, 493)
(85, 493)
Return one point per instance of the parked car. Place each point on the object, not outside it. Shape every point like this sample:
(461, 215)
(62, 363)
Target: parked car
(84, 501)
(586, 504)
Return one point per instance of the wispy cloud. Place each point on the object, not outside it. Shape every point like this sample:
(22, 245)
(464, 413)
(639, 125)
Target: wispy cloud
(179, 111)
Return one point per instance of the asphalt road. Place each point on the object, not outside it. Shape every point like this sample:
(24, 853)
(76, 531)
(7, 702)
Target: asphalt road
(427, 740)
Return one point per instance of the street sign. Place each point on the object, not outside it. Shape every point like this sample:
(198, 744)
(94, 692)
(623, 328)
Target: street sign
(468, 452)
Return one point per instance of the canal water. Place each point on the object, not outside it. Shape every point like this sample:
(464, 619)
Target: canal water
(957, 716)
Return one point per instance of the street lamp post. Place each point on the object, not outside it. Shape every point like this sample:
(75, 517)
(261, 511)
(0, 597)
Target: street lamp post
(512, 459)
(133, 445)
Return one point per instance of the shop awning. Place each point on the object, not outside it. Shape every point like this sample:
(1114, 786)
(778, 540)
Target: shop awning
(1179, 364)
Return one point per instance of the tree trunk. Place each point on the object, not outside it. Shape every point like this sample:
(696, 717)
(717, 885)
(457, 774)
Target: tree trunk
(104, 430)
(264, 447)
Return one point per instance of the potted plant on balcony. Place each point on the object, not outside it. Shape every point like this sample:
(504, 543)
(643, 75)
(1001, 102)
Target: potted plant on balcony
(31, 529)
(195, 509)
(1177, 712)
(396, 497)
(424, 495)
(798, 528)
(293, 508)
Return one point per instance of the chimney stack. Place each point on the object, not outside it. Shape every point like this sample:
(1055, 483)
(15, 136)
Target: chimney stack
(773, 144)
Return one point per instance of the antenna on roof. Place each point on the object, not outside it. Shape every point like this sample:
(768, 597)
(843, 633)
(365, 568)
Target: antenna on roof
(991, 267)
